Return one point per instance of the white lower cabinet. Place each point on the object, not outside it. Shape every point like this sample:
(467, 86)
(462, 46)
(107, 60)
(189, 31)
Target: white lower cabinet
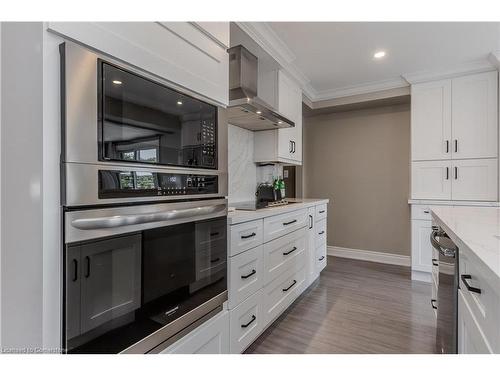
(284, 253)
(270, 269)
(421, 248)
(212, 337)
(245, 275)
(281, 292)
(471, 339)
(246, 323)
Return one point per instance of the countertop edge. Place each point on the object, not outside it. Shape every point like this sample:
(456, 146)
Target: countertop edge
(430, 202)
(241, 216)
(461, 244)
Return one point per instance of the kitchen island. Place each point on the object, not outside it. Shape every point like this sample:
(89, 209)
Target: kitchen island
(476, 233)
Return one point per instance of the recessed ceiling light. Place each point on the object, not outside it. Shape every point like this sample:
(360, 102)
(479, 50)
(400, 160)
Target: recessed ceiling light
(280, 122)
(116, 82)
(179, 102)
(258, 112)
(379, 54)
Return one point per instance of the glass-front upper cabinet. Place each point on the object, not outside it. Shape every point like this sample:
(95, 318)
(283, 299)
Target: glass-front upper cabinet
(143, 121)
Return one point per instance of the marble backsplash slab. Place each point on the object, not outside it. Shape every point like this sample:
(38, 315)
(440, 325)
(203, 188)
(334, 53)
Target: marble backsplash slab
(244, 174)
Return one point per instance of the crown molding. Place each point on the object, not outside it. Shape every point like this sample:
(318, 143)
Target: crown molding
(494, 59)
(267, 38)
(360, 89)
(478, 66)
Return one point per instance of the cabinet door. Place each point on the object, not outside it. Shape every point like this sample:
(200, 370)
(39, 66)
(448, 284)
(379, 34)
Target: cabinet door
(73, 277)
(421, 248)
(311, 251)
(212, 337)
(475, 179)
(475, 124)
(431, 120)
(471, 339)
(290, 105)
(431, 179)
(111, 280)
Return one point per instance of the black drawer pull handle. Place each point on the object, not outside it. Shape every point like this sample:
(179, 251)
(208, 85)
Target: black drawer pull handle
(214, 234)
(310, 221)
(426, 211)
(87, 273)
(291, 251)
(320, 259)
(287, 289)
(435, 262)
(322, 232)
(469, 288)
(249, 236)
(322, 212)
(433, 305)
(75, 270)
(290, 222)
(215, 260)
(250, 274)
(250, 322)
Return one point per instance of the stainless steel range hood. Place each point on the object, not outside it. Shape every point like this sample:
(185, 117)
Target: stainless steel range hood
(245, 108)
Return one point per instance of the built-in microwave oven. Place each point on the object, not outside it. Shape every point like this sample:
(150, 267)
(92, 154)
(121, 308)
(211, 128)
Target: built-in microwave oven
(118, 117)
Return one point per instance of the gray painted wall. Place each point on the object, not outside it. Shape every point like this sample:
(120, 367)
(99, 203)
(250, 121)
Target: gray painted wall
(361, 161)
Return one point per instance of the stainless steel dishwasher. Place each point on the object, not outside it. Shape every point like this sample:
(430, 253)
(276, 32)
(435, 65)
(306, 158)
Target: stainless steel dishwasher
(446, 304)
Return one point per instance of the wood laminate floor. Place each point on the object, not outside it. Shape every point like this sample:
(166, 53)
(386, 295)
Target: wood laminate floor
(355, 307)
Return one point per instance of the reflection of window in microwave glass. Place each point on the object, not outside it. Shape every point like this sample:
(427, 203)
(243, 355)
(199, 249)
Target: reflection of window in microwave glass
(126, 181)
(145, 180)
(148, 155)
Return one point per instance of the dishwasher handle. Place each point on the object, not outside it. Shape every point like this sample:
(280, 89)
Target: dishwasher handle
(445, 251)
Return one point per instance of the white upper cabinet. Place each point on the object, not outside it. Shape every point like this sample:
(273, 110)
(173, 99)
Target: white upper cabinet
(454, 129)
(474, 179)
(431, 179)
(474, 114)
(190, 55)
(283, 145)
(431, 120)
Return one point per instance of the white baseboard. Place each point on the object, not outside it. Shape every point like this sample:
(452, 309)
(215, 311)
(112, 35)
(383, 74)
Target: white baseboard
(370, 256)
(421, 276)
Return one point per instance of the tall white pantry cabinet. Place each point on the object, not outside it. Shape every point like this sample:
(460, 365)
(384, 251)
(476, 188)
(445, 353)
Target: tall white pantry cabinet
(454, 152)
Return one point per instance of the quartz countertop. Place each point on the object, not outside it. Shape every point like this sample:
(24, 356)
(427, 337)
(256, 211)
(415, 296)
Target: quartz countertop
(241, 216)
(475, 228)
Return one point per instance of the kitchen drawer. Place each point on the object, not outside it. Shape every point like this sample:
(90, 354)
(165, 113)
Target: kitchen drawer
(485, 306)
(321, 212)
(434, 295)
(244, 236)
(471, 339)
(245, 323)
(245, 275)
(279, 225)
(284, 253)
(321, 257)
(281, 292)
(212, 337)
(421, 212)
(320, 233)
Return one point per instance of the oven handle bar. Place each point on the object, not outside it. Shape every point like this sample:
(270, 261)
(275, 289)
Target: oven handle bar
(124, 220)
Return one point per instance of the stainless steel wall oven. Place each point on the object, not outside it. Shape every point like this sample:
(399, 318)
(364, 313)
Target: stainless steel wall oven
(144, 180)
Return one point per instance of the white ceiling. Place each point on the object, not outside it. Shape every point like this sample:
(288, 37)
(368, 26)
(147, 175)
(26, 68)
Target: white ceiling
(336, 58)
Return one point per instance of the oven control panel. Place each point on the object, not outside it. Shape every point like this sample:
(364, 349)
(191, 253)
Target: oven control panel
(123, 184)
